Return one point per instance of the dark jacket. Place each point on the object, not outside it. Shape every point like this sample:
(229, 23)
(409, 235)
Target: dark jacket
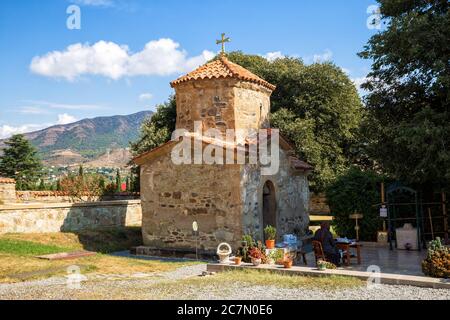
(327, 240)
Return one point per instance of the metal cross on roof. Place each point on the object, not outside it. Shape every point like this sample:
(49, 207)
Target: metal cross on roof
(223, 41)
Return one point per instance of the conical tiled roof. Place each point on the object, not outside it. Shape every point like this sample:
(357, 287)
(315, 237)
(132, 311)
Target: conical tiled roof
(222, 68)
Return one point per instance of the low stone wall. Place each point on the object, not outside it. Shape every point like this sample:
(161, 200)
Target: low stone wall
(7, 190)
(60, 196)
(70, 217)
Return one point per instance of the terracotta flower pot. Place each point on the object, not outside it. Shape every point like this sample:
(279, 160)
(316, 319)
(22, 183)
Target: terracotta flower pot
(237, 261)
(287, 264)
(270, 244)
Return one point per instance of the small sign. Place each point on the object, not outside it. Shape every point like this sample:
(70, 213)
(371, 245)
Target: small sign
(195, 226)
(383, 212)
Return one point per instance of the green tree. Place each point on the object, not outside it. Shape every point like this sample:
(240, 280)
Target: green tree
(118, 181)
(156, 129)
(408, 123)
(20, 161)
(355, 191)
(42, 185)
(315, 106)
(102, 183)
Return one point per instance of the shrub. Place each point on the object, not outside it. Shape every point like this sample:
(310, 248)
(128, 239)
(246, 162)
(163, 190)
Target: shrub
(355, 191)
(80, 186)
(270, 232)
(437, 263)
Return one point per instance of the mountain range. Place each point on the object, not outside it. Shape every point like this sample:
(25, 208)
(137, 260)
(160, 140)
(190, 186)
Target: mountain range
(97, 142)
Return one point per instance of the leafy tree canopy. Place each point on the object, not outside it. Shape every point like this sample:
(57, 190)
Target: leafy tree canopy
(408, 123)
(20, 162)
(156, 129)
(355, 191)
(316, 106)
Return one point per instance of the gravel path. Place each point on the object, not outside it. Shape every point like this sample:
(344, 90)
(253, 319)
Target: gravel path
(153, 286)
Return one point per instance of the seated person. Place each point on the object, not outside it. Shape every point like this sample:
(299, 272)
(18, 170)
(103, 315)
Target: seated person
(328, 244)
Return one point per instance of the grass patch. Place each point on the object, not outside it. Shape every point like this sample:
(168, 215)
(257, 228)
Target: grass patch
(27, 248)
(265, 278)
(18, 251)
(104, 241)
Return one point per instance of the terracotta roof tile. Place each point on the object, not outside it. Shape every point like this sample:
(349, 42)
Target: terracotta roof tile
(7, 180)
(222, 68)
(299, 164)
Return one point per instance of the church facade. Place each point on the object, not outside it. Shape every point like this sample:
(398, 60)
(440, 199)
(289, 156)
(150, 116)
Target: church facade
(226, 200)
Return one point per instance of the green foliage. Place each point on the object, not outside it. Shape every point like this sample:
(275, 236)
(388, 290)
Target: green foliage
(20, 161)
(355, 191)
(315, 106)
(270, 232)
(118, 181)
(156, 130)
(81, 187)
(408, 121)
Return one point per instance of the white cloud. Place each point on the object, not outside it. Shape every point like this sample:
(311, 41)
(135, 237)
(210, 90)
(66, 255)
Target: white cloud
(327, 55)
(94, 3)
(160, 57)
(63, 106)
(65, 118)
(271, 56)
(7, 131)
(145, 96)
(32, 110)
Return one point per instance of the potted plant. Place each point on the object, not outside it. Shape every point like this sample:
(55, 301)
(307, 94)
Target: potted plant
(287, 263)
(271, 234)
(321, 265)
(237, 260)
(256, 256)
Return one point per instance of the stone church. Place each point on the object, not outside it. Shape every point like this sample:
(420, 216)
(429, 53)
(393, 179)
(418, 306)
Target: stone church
(226, 200)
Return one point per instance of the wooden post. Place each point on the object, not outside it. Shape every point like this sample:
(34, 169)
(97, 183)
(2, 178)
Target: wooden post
(431, 223)
(444, 213)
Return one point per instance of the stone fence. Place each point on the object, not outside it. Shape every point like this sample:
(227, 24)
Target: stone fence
(60, 196)
(69, 217)
(7, 190)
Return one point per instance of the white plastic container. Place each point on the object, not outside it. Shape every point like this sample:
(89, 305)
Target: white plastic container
(406, 237)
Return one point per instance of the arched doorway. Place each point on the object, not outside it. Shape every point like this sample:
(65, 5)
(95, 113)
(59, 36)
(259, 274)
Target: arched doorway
(269, 205)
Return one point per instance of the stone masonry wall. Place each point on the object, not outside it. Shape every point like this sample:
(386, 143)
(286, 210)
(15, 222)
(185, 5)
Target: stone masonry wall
(209, 101)
(222, 104)
(292, 198)
(252, 106)
(7, 190)
(56, 217)
(174, 196)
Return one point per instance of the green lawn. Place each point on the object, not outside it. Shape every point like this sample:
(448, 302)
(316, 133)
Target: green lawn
(28, 248)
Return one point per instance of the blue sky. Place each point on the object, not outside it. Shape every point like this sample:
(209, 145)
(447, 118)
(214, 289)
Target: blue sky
(125, 54)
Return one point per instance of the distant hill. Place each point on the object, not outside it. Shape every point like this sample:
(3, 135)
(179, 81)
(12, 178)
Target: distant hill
(89, 140)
